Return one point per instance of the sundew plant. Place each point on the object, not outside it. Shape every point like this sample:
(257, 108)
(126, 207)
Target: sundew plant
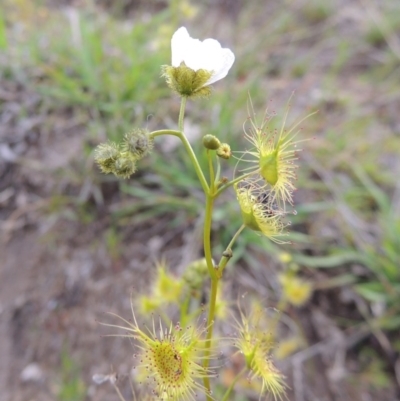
(179, 360)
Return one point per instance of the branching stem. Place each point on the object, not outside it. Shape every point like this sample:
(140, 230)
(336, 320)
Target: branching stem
(230, 183)
(211, 192)
(189, 151)
(225, 259)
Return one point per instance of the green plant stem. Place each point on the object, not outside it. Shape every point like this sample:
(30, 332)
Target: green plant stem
(211, 270)
(208, 219)
(210, 327)
(234, 381)
(211, 168)
(207, 235)
(189, 151)
(217, 274)
(218, 173)
(224, 260)
(182, 113)
(161, 132)
(228, 184)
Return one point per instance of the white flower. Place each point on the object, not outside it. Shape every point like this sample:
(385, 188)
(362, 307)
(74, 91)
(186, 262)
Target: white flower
(207, 55)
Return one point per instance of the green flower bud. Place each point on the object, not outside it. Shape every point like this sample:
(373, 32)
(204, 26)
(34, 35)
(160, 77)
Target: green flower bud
(138, 143)
(211, 142)
(125, 166)
(224, 151)
(106, 155)
(187, 82)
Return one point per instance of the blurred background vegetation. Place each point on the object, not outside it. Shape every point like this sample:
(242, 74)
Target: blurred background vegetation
(74, 73)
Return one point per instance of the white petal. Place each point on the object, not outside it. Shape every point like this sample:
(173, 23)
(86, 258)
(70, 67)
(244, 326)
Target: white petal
(193, 57)
(179, 45)
(210, 54)
(227, 60)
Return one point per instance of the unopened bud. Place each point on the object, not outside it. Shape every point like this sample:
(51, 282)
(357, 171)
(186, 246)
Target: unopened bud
(224, 151)
(211, 142)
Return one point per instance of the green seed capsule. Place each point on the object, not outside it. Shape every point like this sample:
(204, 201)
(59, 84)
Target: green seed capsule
(124, 167)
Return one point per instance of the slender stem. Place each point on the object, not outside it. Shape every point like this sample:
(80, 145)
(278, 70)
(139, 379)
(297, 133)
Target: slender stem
(210, 327)
(207, 235)
(195, 162)
(189, 151)
(211, 168)
(234, 381)
(227, 185)
(161, 132)
(218, 173)
(213, 276)
(225, 259)
(182, 113)
(211, 314)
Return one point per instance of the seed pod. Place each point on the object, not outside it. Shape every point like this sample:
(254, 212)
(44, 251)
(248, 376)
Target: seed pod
(106, 155)
(138, 143)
